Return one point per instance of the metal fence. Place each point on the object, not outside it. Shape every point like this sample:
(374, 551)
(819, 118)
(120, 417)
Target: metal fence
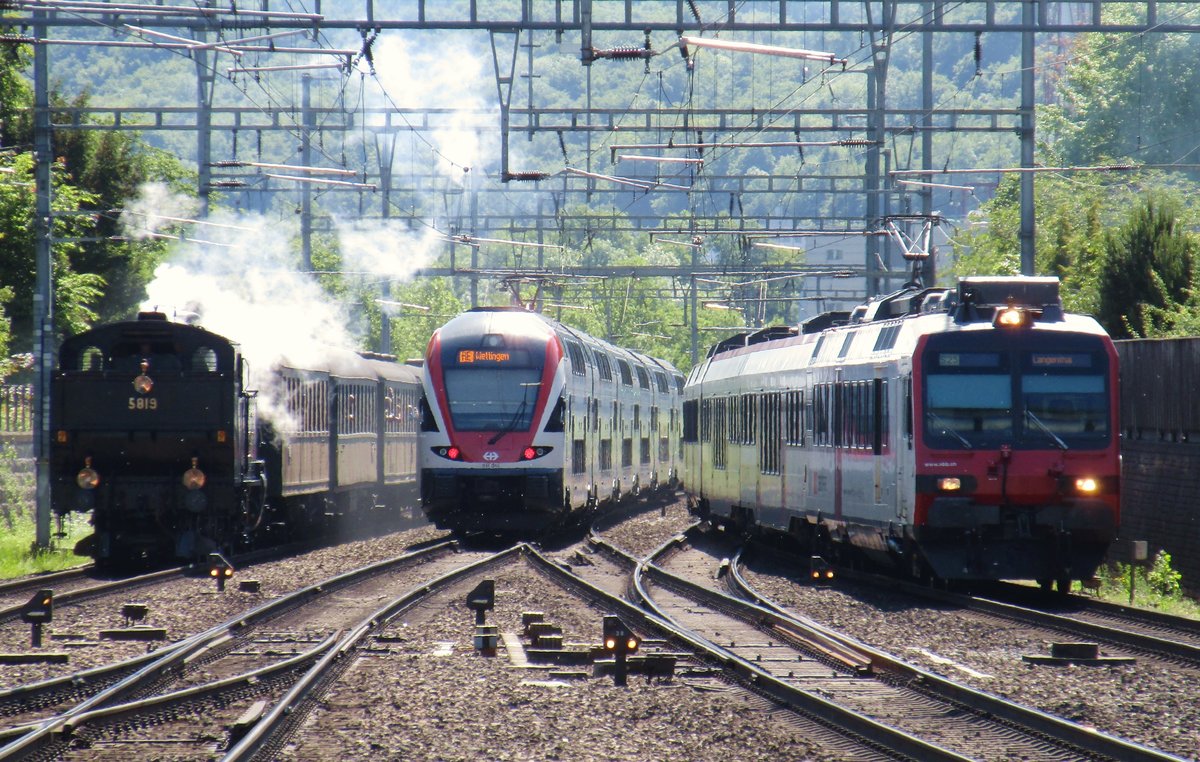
(16, 408)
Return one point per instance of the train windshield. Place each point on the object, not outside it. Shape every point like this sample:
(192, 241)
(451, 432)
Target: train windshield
(491, 389)
(1029, 400)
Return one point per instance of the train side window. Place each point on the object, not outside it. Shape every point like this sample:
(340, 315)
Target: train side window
(557, 416)
(91, 359)
(626, 373)
(691, 420)
(846, 344)
(603, 365)
(578, 364)
(428, 423)
(908, 411)
(643, 377)
(204, 360)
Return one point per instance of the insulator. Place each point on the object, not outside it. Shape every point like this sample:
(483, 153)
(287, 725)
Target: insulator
(978, 54)
(695, 11)
(622, 53)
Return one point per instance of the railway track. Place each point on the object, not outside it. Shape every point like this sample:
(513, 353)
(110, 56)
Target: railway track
(957, 719)
(244, 657)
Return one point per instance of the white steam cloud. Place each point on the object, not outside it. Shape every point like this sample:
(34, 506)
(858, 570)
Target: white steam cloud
(450, 74)
(386, 248)
(155, 208)
(243, 285)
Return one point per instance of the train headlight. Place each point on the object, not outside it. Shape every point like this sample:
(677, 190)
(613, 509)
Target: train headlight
(949, 484)
(532, 453)
(449, 453)
(87, 478)
(143, 384)
(1087, 485)
(1010, 317)
(194, 478)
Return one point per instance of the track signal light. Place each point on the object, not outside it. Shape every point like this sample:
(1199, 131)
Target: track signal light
(219, 569)
(39, 611)
(820, 570)
(619, 641)
(482, 599)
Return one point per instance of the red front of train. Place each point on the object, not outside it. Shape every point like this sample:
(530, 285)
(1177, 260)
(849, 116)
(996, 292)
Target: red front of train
(1016, 453)
(492, 438)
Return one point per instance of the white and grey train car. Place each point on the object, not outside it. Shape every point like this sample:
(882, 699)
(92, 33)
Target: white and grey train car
(530, 422)
(967, 434)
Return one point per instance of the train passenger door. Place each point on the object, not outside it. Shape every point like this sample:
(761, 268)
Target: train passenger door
(838, 404)
(902, 448)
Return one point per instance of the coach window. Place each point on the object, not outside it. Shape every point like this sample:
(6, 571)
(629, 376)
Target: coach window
(720, 430)
(204, 360)
(691, 420)
(602, 365)
(91, 359)
(660, 379)
(626, 374)
(643, 377)
(846, 344)
(578, 364)
(880, 419)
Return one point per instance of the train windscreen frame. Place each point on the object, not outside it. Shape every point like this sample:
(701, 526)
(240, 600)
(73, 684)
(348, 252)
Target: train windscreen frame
(492, 382)
(1052, 396)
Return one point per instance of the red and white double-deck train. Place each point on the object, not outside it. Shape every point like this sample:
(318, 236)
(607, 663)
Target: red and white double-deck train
(968, 433)
(530, 422)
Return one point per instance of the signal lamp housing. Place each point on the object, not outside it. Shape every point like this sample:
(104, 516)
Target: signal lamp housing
(194, 478)
(618, 638)
(533, 453)
(449, 453)
(39, 609)
(219, 569)
(87, 478)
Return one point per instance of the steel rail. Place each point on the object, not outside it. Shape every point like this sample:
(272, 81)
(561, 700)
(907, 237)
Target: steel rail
(169, 658)
(1050, 725)
(262, 731)
(761, 681)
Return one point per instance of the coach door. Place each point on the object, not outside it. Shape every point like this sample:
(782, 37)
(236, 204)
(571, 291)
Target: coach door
(839, 427)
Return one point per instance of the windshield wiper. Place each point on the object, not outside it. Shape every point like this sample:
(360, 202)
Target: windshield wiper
(1046, 429)
(947, 429)
(512, 424)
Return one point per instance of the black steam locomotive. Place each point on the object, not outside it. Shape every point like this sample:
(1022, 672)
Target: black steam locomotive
(155, 431)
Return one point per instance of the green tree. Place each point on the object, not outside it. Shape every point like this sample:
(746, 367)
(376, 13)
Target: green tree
(1148, 267)
(75, 293)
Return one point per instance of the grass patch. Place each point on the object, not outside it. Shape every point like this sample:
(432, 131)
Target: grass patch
(17, 558)
(1155, 586)
(17, 528)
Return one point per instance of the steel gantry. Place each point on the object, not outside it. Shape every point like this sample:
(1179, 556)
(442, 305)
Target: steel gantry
(840, 98)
